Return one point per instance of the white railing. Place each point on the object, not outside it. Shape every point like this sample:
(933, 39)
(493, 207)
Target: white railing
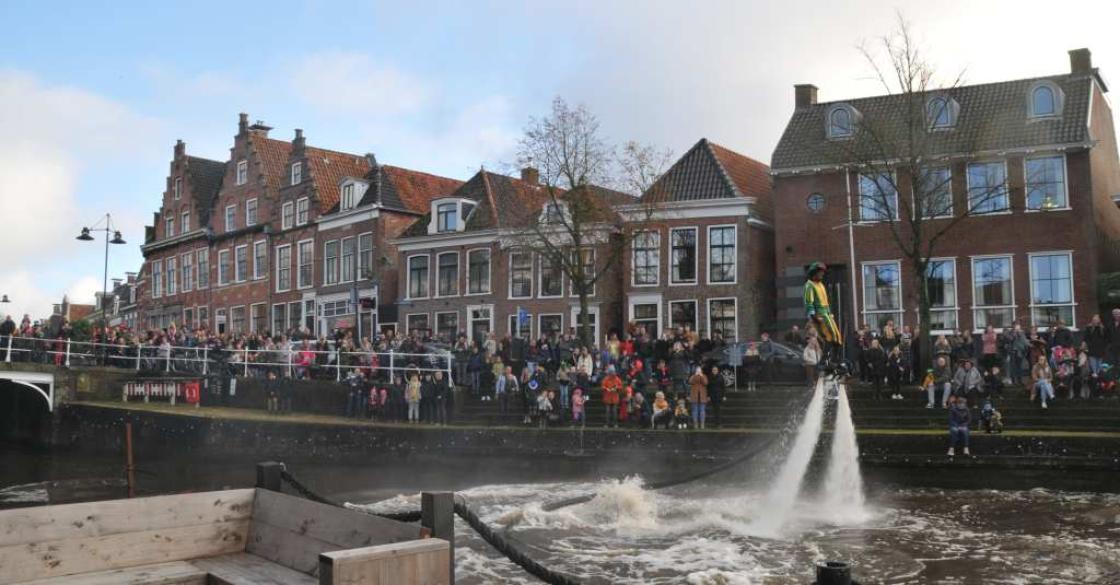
(66, 352)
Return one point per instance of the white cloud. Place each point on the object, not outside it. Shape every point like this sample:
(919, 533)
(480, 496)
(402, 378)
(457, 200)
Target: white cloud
(353, 83)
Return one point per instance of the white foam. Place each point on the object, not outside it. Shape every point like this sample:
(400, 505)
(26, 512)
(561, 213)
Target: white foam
(843, 502)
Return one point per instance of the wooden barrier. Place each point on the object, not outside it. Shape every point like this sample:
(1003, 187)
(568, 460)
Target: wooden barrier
(417, 562)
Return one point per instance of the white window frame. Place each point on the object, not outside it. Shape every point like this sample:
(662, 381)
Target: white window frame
(408, 278)
(708, 316)
(972, 282)
(186, 266)
(435, 324)
(242, 172)
(237, 277)
(252, 321)
(347, 198)
(540, 327)
(185, 221)
(331, 277)
(280, 269)
(231, 217)
(157, 279)
(968, 188)
(540, 261)
(343, 263)
(952, 201)
(408, 322)
(172, 276)
(891, 182)
(260, 271)
(634, 260)
(955, 308)
(169, 225)
(900, 312)
(178, 188)
(695, 257)
(696, 312)
(303, 206)
(245, 316)
(299, 264)
(489, 272)
(851, 129)
(574, 322)
(572, 292)
(1065, 182)
(297, 173)
(287, 215)
(734, 255)
(458, 269)
(226, 253)
(199, 254)
(251, 219)
(453, 223)
(359, 260)
(654, 300)
(513, 318)
(1072, 289)
(509, 277)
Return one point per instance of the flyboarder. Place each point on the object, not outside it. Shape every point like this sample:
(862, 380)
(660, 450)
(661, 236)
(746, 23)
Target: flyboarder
(820, 318)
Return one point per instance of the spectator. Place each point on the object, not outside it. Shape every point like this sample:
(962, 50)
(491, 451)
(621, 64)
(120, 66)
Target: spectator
(544, 409)
(1061, 336)
(810, 357)
(766, 357)
(441, 394)
(991, 418)
(564, 381)
(505, 386)
(794, 338)
(896, 371)
(967, 381)
(1096, 341)
(959, 420)
(993, 384)
(752, 360)
(940, 378)
(1112, 329)
(1016, 347)
(716, 387)
(271, 393)
(578, 407)
(612, 387)
(474, 371)
(662, 414)
(412, 397)
(680, 415)
(989, 352)
(1042, 377)
(698, 397)
(876, 362)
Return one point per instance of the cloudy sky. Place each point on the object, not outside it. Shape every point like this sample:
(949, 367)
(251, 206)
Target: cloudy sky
(94, 94)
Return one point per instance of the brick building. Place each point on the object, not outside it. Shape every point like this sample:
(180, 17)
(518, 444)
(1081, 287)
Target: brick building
(1045, 147)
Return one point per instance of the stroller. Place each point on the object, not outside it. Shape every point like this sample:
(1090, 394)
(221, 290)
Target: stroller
(991, 419)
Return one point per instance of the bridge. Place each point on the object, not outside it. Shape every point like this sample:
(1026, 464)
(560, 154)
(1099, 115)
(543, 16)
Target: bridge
(40, 382)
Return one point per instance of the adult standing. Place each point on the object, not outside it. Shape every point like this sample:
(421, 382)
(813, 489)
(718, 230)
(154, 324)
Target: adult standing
(716, 389)
(7, 328)
(612, 386)
(959, 420)
(1112, 328)
(1096, 340)
(698, 397)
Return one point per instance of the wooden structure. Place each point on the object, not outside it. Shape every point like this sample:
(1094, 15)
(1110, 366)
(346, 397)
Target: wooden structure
(232, 537)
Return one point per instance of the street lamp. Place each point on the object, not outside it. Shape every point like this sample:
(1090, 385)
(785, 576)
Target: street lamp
(116, 239)
(5, 299)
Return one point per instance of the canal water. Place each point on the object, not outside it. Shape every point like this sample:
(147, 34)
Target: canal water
(701, 533)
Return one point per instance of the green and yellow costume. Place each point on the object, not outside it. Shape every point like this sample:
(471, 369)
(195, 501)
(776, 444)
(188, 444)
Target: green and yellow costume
(817, 308)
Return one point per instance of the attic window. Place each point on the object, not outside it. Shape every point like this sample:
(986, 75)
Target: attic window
(242, 172)
(297, 173)
(347, 197)
(178, 188)
(553, 213)
(1043, 101)
(840, 123)
(942, 112)
(447, 217)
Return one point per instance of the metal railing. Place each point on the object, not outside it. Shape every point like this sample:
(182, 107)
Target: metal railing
(203, 359)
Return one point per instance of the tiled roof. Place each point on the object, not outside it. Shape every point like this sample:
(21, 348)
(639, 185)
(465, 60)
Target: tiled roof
(205, 177)
(273, 155)
(328, 168)
(710, 171)
(409, 190)
(993, 116)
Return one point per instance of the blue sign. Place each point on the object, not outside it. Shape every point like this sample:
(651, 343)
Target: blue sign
(523, 317)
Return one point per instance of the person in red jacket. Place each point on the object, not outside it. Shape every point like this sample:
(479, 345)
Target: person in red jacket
(612, 387)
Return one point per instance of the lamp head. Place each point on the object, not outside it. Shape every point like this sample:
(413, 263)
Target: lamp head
(85, 237)
(116, 238)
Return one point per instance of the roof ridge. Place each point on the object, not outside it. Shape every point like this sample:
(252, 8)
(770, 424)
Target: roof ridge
(489, 196)
(722, 171)
(952, 88)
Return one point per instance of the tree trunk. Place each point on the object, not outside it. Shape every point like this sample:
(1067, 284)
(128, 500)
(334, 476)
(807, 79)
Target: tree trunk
(924, 354)
(586, 337)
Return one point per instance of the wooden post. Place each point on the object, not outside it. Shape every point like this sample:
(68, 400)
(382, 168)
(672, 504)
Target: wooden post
(268, 475)
(437, 514)
(130, 471)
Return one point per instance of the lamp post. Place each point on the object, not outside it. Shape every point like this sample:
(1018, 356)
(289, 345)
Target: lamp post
(5, 299)
(116, 239)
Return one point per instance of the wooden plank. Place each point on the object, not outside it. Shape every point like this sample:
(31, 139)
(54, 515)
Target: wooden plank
(38, 560)
(338, 526)
(290, 549)
(173, 573)
(419, 562)
(48, 523)
(247, 569)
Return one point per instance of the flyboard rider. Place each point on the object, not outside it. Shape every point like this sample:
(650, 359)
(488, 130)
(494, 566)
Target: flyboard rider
(820, 318)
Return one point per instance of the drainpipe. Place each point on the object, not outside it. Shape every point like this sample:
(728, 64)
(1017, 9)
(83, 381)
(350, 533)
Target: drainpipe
(851, 249)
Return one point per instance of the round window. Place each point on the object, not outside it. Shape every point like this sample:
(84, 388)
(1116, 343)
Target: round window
(815, 203)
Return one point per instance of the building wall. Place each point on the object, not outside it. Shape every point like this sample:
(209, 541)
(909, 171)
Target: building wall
(1104, 162)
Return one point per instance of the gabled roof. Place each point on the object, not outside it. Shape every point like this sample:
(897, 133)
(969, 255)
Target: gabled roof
(328, 168)
(409, 190)
(709, 171)
(205, 178)
(992, 117)
(273, 155)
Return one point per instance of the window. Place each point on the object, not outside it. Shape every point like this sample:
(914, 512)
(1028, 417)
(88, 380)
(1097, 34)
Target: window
(347, 259)
(295, 315)
(722, 318)
(188, 318)
(297, 173)
(223, 267)
(169, 226)
(552, 276)
(815, 202)
(287, 215)
(682, 313)
(242, 254)
(936, 197)
(447, 274)
(302, 205)
(882, 294)
(257, 320)
(284, 268)
(646, 316)
(521, 324)
(941, 287)
(548, 325)
(1046, 182)
(878, 199)
(237, 319)
(683, 255)
(178, 189)
(347, 197)
(417, 324)
(306, 253)
(330, 262)
(520, 275)
(309, 314)
(941, 112)
(365, 256)
(220, 320)
(418, 277)
(279, 318)
(335, 308)
(203, 268)
(1044, 101)
(647, 258)
(251, 212)
(839, 122)
(260, 259)
(993, 297)
(172, 276)
(157, 279)
(186, 261)
(203, 317)
(446, 217)
(987, 187)
(553, 212)
(185, 224)
(584, 261)
(447, 326)
(721, 254)
(1051, 288)
(231, 217)
(478, 272)
(242, 172)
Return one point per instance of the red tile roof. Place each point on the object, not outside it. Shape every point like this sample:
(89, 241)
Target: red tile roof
(329, 168)
(416, 189)
(751, 177)
(273, 155)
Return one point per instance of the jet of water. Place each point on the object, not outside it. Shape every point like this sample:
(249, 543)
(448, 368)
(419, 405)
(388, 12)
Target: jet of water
(843, 488)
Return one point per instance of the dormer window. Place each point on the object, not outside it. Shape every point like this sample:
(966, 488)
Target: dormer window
(297, 173)
(553, 213)
(942, 112)
(178, 189)
(242, 172)
(447, 217)
(841, 122)
(1045, 100)
(347, 197)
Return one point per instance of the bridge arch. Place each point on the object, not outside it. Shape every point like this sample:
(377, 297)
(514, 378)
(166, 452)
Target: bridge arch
(41, 383)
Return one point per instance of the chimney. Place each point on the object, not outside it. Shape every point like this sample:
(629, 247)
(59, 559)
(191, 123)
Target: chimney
(180, 149)
(1080, 62)
(372, 160)
(531, 175)
(298, 143)
(242, 123)
(259, 127)
(804, 94)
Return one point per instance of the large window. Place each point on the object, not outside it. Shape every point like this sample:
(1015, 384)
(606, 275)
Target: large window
(330, 262)
(478, 275)
(683, 243)
(552, 276)
(417, 323)
(722, 318)
(157, 279)
(260, 259)
(647, 258)
(203, 268)
(446, 217)
(550, 325)
(646, 316)
(186, 261)
(1051, 288)
(993, 297)
(251, 212)
(520, 275)
(306, 253)
(347, 259)
(682, 313)
(242, 253)
(936, 197)
(447, 274)
(447, 326)
(721, 254)
(280, 318)
(521, 324)
(585, 260)
(287, 215)
(418, 277)
(257, 319)
(882, 293)
(223, 267)
(941, 287)
(878, 199)
(987, 187)
(231, 217)
(242, 172)
(295, 315)
(283, 268)
(365, 256)
(169, 225)
(1046, 182)
(237, 319)
(185, 224)
(302, 205)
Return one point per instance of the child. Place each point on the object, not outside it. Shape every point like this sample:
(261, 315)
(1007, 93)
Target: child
(661, 411)
(577, 407)
(991, 418)
(412, 397)
(680, 415)
(544, 409)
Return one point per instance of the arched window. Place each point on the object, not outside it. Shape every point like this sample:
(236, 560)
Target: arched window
(940, 113)
(1043, 101)
(839, 122)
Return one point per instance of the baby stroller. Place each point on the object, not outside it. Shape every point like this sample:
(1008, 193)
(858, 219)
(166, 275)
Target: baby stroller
(991, 419)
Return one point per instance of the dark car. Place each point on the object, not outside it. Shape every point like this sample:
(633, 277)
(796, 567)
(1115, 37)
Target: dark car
(785, 365)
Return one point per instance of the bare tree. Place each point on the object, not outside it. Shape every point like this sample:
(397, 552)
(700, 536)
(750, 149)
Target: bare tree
(580, 235)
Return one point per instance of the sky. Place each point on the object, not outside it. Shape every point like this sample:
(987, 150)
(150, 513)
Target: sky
(93, 94)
